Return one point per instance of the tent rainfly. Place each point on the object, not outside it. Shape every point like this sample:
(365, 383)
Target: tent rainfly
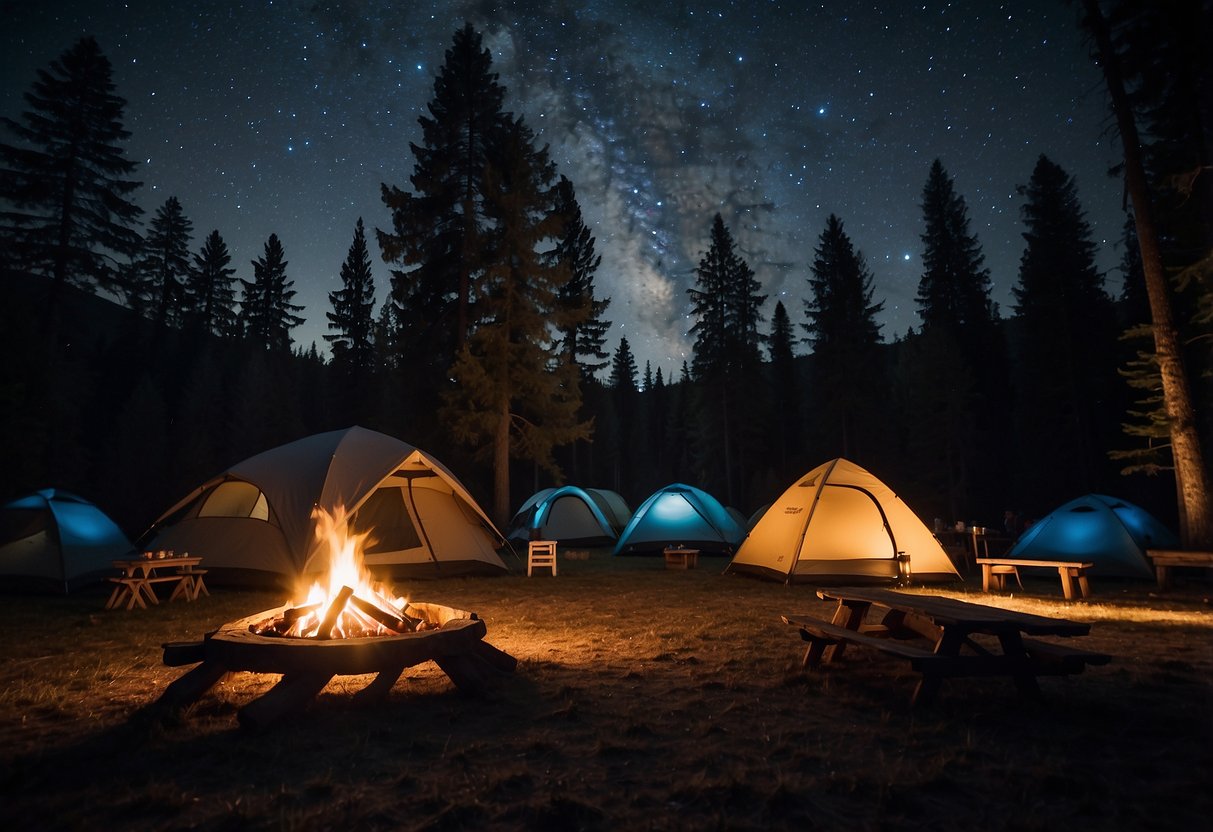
(1110, 533)
(257, 516)
(680, 515)
(53, 539)
(840, 524)
(571, 515)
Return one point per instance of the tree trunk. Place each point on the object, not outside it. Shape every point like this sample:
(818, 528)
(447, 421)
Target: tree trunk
(1192, 476)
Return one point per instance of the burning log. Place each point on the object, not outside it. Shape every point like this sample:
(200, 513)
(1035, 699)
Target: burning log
(392, 622)
(295, 613)
(334, 610)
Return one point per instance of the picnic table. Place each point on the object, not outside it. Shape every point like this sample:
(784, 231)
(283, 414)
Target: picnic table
(994, 573)
(937, 636)
(135, 584)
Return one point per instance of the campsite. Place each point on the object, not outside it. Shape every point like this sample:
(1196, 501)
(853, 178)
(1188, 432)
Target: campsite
(644, 698)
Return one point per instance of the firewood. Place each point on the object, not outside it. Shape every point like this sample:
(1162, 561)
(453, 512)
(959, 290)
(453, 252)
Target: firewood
(387, 619)
(333, 613)
(295, 613)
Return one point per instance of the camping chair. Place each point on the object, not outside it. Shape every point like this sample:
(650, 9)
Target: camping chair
(541, 554)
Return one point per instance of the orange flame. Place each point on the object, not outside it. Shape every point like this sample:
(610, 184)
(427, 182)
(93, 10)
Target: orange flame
(343, 551)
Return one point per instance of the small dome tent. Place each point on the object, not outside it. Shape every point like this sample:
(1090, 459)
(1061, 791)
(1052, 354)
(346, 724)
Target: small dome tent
(56, 540)
(257, 515)
(840, 524)
(680, 514)
(1110, 533)
(570, 515)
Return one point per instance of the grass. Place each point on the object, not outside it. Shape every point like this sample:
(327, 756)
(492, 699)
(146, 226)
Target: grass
(644, 699)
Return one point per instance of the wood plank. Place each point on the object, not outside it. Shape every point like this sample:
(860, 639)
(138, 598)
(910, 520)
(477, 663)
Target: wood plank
(189, 687)
(291, 694)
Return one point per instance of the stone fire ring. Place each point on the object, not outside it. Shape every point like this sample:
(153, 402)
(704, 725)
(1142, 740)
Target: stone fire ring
(457, 646)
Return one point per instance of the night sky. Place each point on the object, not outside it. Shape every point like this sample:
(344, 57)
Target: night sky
(285, 117)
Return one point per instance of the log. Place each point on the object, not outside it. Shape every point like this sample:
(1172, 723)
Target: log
(468, 674)
(393, 622)
(295, 613)
(180, 653)
(500, 660)
(189, 688)
(292, 693)
(333, 613)
(380, 686)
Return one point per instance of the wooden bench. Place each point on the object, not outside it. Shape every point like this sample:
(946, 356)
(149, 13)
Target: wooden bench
(1165, 559)
(1069, 571)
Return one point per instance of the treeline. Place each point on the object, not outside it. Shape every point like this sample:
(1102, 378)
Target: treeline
(490, 348)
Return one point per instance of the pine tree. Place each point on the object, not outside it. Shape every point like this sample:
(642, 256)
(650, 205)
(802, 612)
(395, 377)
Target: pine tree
(67, 213)
(624, 395)
(727, 357)
(786, 398)
(583, 340)
(954, 290)
(511, 380)
(440, 228)
(352, 318)
(266, 311)
(166, 262)
(623, 369)
(843, 332)
(1067, 352)
(210, 291)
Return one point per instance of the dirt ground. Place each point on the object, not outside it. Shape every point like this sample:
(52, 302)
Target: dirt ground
(644, 698)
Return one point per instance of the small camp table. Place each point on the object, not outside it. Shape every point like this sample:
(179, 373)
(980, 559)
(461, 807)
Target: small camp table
(677, 557)
(930, 631)
(138, 575)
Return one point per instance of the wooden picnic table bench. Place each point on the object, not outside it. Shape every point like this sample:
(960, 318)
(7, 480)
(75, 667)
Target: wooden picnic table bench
(1165, 559)
(931, 632)
(994, 573)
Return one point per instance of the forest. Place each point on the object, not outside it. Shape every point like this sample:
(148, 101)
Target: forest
(141, 361)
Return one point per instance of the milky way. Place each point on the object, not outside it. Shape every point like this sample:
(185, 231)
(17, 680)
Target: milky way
(286, 117)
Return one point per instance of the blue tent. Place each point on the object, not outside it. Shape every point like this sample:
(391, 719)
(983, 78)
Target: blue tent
(681, 515)
(1110, 533)
(571, 515)
(57, 540)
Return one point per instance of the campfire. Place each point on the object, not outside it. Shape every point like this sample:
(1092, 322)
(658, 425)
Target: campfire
(344, 623)
(346, 602)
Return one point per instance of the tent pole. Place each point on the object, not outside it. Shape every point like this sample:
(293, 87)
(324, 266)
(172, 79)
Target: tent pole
(808, 519)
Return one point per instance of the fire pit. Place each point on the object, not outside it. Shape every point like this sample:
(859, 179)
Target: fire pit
(349, 629)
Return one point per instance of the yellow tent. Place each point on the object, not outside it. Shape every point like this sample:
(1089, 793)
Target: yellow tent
(840, 524)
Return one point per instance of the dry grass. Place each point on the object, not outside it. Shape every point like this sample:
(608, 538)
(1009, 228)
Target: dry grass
(644, 699)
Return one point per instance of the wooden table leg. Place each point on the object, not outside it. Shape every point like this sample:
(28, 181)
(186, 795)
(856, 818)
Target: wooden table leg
(849, 614)
(1084, 585)
(1067, 585)
(987, 573)
(1015, 654)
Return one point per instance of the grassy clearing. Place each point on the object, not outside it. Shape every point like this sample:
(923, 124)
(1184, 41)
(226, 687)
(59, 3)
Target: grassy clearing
(645, 698)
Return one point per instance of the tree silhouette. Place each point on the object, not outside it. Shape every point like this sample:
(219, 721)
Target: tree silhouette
(210, 290)
(352, 316)
(266, 311)
(69, 215)
(165, 264)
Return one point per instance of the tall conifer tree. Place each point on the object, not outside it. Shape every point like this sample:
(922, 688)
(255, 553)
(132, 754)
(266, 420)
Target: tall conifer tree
(352, 315)
(65, 189)
(1065, 372)
(265, 306)
(439, 228)
(210, 290)
(165, 264)
(583, 340)
(512, 384)
(843, 332)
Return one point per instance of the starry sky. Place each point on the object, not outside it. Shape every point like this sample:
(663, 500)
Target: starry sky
(284, 117)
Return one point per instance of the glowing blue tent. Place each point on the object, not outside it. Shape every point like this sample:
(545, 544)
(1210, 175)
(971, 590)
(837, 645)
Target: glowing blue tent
(681, 515)
(55, 540)
(1110, 533)
(572, 516)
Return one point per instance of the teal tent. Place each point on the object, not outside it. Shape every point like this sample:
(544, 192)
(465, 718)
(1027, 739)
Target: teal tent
(1110, 533)
(681, 515)
(571, 516)
(55, 540)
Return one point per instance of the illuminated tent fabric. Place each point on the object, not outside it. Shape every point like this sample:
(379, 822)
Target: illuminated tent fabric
(840, 524)
(680, 515)
(258, 514)
(571, 515)
(1110, 533)
(57, 540)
